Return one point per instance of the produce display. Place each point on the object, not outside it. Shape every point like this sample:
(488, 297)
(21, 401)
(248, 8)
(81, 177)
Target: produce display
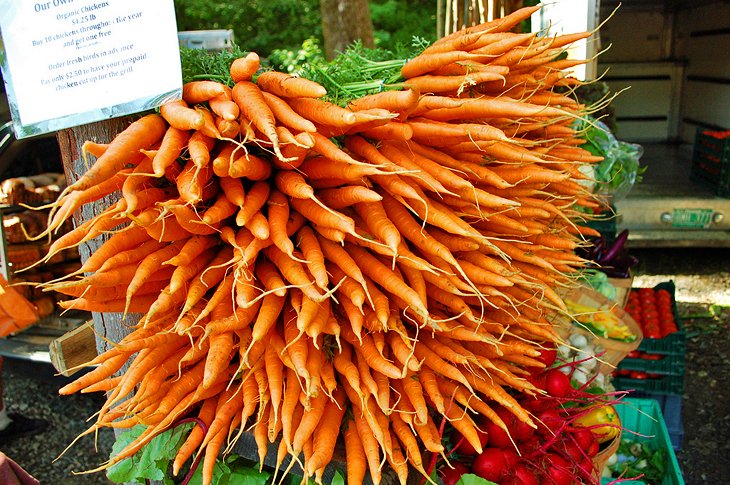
(369, 273)
(653, 309)
(24, 218)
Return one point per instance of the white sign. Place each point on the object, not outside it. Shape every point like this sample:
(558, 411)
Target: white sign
(70, 62)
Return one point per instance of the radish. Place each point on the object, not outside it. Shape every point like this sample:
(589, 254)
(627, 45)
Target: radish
(497, 436)
(525, 476)
(586, 441)
(549, 422)
(548, 354)
(451, 476)
(558, 469)
(490, 464)
(557, 384)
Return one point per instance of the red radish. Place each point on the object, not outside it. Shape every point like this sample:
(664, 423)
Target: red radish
(548, 354)
(490, 464)
(557, 384)
(558, 469)
(549, 422)
(525, 476)
(497, 436)
(572, 451)
(510, 457)
(586, 441)
(522, 431)
(452, 475)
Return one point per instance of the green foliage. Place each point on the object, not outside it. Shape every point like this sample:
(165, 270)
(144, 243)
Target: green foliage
(199, 64)
(274, 26)
(291, 61)
(471, 479)
(152, 460)
(396, 22)
(260, 26)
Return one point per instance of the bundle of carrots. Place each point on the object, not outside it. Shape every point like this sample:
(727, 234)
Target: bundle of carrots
(313, 272)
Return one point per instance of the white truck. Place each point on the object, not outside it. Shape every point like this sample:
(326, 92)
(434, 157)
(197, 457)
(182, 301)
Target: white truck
(674, 56)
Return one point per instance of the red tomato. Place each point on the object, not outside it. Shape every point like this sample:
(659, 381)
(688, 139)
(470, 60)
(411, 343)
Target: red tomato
(648, 356)
(636, 374)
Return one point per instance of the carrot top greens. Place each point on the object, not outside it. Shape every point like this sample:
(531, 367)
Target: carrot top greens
(355, 72)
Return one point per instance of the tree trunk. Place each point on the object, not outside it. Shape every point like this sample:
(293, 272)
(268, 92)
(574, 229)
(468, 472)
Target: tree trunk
(343, 22)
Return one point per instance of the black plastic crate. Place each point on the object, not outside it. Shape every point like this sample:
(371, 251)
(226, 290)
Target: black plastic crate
(711, 160)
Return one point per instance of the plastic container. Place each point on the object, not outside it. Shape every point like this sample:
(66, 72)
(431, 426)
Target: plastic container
(211, 40)
(671, 406)
(642, 420)
(664, 364)
(671, 384)
(674, 343)
(711, 160)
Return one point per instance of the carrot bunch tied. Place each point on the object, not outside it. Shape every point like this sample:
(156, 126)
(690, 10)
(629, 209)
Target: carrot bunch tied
(310, 272)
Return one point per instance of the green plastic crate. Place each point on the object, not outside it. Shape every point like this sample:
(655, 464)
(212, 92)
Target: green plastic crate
(670, 384)
(674, 343)
(644, 418)
(668, 364)
(711, 161)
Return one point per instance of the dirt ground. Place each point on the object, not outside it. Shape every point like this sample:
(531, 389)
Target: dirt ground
(702, 279)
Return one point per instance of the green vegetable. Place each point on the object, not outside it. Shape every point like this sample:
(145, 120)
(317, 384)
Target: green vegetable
(640, 458)
(150, 462)
(197, 64)
(620, 169)
(470, 479)
(598, 280)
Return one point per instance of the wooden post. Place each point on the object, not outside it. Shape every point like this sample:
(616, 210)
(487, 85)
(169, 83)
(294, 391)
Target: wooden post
(112, 326)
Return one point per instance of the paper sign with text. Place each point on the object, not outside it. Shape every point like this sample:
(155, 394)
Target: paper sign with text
(71, 62)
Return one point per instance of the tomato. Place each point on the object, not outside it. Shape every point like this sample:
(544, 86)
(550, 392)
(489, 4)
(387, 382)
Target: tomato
(635, 354)
(638, 374)
(648, 356)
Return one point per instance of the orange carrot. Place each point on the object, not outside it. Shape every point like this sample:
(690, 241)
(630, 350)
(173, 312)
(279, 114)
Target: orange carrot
(243, 68)
(122, 150)
(253, 106)
(286, 115)
(179, 115)
(288, 86)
